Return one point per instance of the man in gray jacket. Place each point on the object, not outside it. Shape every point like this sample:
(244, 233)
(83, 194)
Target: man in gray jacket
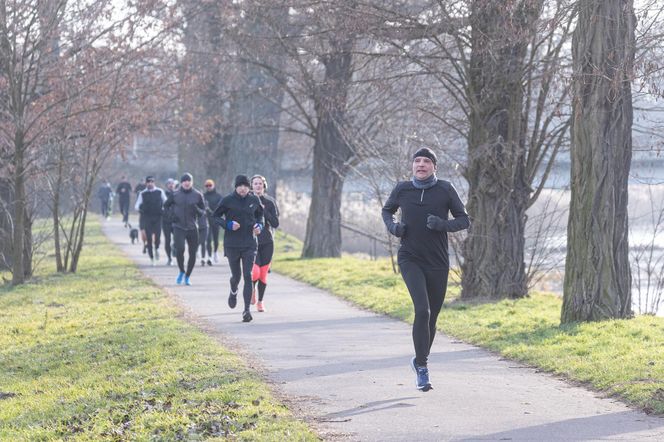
(187, 206)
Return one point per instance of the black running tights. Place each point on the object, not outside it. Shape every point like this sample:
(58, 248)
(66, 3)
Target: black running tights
(191, 237)
(427, 290)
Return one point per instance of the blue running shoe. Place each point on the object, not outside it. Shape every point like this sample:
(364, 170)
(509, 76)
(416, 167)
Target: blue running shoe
(422, 382)
(179, 278)
(187, 281)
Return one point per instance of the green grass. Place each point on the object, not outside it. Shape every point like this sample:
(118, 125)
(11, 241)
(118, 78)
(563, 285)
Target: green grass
(622, 358)
(104, 355)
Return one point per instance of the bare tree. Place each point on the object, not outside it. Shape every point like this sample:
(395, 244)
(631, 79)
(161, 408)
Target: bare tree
(597, 272)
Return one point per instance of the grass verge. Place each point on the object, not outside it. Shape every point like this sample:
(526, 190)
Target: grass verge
(103, 355)
(622, 358)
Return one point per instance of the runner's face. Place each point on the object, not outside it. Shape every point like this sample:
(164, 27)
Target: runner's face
(242, 190)
(423, 168)
(186, 185)
(149, 185)
(257, 186)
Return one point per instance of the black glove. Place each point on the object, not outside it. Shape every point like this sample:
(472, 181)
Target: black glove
(436, 223)
(398, 229)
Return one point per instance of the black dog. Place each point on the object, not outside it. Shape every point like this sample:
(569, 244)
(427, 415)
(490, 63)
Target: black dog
(133, 234)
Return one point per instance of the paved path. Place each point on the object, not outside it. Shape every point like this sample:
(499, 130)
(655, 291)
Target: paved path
(347, 370)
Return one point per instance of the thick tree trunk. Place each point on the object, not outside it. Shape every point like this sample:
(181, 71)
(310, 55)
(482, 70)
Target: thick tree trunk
(331, 157)
(499, 191)
(597, 273)
(255, 111)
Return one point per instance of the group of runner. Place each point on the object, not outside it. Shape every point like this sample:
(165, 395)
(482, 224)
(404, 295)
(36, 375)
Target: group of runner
(247, 216)
(192, 220)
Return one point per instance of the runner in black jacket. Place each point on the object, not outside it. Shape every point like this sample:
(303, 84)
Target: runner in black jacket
(265, 241)
(150, 204)
(425, 203)
(188, 206)
(167, 222)
(241, 214)
(213, 199)
(123, 192)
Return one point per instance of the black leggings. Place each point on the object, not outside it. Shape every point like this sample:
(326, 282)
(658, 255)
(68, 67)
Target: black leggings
(167, 228)
(427, 290)
(213, 237)
(124, 209)
(152, 227)
(105, 208)
(202, 239)
(180, 236)
(246, 257)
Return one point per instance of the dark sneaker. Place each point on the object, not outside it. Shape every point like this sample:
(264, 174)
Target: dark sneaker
(232, 300)
(209, 262)
(145, 249)
(202, 263)
(246, 316)
(422, 382)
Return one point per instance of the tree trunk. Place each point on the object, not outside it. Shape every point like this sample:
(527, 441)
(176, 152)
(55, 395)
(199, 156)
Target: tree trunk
(19, 206)
(55, 211)
(6, 234)
(331, 156)
(499, 191)
(597, 273)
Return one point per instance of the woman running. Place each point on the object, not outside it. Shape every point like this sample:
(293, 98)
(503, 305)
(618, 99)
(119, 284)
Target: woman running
(265, 240)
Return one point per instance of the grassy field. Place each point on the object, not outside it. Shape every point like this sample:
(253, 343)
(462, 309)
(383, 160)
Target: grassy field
(623, 358)
(104, 355)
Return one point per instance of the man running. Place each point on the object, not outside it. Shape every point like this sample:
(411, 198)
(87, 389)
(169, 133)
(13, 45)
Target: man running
(425, 202)
(167, 222)
(203, 233)
(241, 214)
(188, 206)
(105, 193)
(213, 199)
(150, 204)
(265, 241)
(124, 194)
(140, 186)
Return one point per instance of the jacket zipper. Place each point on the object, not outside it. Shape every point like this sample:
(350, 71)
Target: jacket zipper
(422, 196)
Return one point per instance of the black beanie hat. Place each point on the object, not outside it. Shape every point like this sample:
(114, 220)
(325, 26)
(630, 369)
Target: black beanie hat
(149, 178)
(186, 177)
(426, 152)
(242, 180)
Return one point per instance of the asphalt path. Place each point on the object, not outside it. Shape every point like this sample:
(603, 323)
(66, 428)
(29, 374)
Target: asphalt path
(347, 370)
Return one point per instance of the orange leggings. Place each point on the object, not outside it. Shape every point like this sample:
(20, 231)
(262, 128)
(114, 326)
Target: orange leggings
(259, 273)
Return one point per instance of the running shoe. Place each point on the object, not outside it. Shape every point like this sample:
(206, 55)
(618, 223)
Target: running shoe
(187, 281)
(169, 262)
(153, 262)
(246, 316)
(232, 300)
(260, 307)
(179, 278)
(209, 262)
(216, 257)
(422, 383)
(253, 296)
(202, 263)
(156, 254)
(145, 249)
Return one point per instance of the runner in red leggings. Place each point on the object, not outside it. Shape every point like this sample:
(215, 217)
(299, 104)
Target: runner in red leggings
(265, 241)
